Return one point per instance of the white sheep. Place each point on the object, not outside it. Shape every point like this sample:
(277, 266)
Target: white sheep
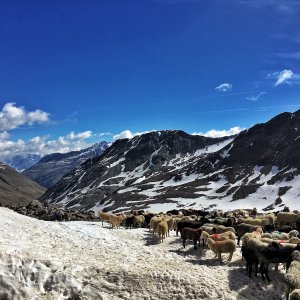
(154, 222)
(276, 235)
(288, 218)
(293, 233)
(251, 235)
(292, 277)
(295, 295)
(256, 221)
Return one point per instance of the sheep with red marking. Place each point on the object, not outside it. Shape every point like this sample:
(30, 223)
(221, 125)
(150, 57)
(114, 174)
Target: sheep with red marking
(219, 247)
(251, 235)
(217, 236)
(243, 228)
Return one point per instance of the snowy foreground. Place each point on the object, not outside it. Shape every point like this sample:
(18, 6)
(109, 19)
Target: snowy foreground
(81, 260)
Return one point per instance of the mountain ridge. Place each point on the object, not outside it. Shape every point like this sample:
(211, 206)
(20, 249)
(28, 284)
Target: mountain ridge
(54, 166)
(17, 189)
(258, 167)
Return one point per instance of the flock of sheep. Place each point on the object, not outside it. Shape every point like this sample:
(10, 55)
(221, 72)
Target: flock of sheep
(266, 238)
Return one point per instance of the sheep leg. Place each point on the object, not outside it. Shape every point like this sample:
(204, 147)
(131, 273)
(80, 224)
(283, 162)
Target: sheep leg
(219, 256)
(238, 240)
(261, 270)
(265, 269)
(256, 268)
(249, 269)
(230, 256)
(195, 244)
(183, 242)
(287, 265)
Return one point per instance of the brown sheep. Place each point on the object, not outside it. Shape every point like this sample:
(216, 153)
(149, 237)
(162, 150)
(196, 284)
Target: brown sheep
(227, 246)
(162, 229)
(104, 216)
(115, 220)
(217, 236)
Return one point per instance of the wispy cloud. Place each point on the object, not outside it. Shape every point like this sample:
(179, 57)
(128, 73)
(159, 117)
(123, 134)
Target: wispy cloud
(255, 98)
(224, 87)
(265, 108)
(176, 1)
(12, 116)
(101, 134)
(287, 7)
(290, 55)
(214, 133)
(282, 77)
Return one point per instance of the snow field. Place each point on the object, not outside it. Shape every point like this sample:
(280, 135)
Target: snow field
(83, 260)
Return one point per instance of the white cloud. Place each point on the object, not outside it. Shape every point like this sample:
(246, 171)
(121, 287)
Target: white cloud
(284, 76)
(127, 134)
(255, 98)
(213, 133)
(37, 116)
(224, 87)
(79, 136)
(12, 117)
(104, 134)
(4, 135)
(43, 145)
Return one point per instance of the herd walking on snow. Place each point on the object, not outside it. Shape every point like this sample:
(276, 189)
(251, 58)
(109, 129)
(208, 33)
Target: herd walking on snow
(271, 238)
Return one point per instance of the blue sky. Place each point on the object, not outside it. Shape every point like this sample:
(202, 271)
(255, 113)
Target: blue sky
(76, 72)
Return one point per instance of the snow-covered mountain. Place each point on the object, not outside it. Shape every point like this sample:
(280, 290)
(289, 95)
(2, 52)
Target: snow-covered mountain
(165, 169)
(51, 168)
(22, 162)
(17, 189)
(136, 172)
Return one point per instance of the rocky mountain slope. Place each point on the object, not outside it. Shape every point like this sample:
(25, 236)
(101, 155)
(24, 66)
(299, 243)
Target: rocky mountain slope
(51, 168)
(161, 170)
(17, 189)
(125, 174)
